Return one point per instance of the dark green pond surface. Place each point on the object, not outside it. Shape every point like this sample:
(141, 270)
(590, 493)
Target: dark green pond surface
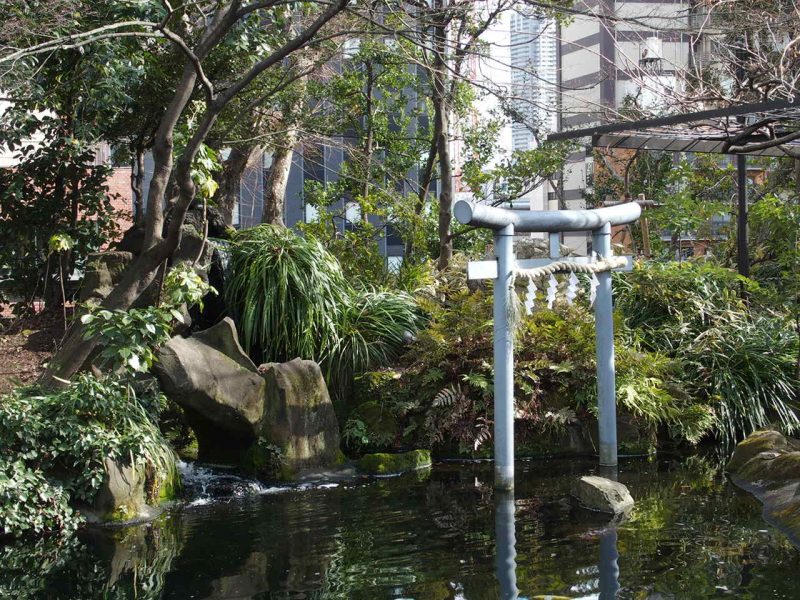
(431, 535)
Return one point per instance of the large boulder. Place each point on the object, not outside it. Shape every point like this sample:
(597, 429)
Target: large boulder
(275, 421)
(219, 388)
(298, 419)
(767, 464)
(602, 495)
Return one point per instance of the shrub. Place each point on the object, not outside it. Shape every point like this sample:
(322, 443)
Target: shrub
(441, 396)
(737, 357)
(52, 448)
(291, 299)
(285, 292)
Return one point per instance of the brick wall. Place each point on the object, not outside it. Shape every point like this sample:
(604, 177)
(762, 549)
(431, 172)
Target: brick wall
(119, 186)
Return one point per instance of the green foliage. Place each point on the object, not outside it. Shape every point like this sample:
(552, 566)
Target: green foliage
(29, 502)
(738, 358)
(646, 172)
(514, 175)
(285, 292)
(747, 365)
(442, 395)
(371, 328)
(55, 444)
(291, 299)
(131, 337)
(55, 201)
(774, 240)
(695, 192)
(662, 299)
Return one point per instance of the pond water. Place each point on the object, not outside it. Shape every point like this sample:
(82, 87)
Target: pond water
(436, 534)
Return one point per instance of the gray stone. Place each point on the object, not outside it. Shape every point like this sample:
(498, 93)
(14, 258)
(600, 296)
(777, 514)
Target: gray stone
(223, 337)
(298, 415)
(274, 421)
(134, 492)
(223, 397)
(602, 495)
(103, 271)
(122, 495)
(767, 464)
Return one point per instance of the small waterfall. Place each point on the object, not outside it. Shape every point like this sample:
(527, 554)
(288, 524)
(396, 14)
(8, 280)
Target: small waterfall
(204, 484)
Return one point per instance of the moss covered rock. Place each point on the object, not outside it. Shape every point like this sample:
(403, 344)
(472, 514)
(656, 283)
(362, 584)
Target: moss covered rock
(131, 492)
(389, 464)
(298, 417)
(767, 464)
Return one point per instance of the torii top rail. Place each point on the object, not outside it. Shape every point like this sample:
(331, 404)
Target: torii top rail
(505, 223)
(546, 221)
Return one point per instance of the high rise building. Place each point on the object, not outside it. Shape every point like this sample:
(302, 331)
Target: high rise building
(533, 59)
(612, 53)
(533, 77)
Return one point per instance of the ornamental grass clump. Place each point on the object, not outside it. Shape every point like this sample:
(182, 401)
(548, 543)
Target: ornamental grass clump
(740, 359)
(291, 299)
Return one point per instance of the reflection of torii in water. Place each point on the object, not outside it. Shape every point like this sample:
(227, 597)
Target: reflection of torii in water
(506, 552)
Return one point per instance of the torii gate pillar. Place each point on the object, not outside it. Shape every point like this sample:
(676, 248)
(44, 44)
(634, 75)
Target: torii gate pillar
(503, 361)
(604, 335)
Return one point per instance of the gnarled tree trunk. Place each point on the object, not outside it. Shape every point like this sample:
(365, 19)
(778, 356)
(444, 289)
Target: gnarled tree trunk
(278, 178)
(228, 194)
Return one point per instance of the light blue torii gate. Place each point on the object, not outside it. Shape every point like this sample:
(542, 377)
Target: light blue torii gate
(505, 223)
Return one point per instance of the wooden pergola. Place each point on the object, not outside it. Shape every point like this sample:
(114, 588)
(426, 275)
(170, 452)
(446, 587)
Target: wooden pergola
(770, 128)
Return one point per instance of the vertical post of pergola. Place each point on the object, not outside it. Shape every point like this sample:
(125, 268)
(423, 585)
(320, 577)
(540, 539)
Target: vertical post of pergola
(604, 333)
(742, 258)
(504, 360)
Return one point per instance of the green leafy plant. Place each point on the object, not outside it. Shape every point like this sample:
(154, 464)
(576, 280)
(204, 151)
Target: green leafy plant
(54, 446)
(131, 337)
(738, 358)
(441, 394)
(54, 204)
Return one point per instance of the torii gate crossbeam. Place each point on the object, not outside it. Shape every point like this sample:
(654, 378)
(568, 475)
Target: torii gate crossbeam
(505, 223)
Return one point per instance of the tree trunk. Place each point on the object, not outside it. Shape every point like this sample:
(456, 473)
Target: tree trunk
(442, 125)
(228, 194)
(278, 178)
(137, 183)
(445, 195)
(424, 182)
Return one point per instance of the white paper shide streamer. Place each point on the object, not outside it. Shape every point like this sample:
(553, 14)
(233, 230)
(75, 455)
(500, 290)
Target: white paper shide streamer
(530, 295)
(572, 287)
(552, 288)
(594, 282)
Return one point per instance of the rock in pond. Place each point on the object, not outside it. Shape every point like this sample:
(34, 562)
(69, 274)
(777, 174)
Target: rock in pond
(298, 417)
(602, 495)
(392, 464)
(767, 464)
(218, 386)
(274, 421)
(132, 492)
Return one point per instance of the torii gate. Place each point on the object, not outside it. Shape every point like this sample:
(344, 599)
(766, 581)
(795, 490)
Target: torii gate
(505, 223)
